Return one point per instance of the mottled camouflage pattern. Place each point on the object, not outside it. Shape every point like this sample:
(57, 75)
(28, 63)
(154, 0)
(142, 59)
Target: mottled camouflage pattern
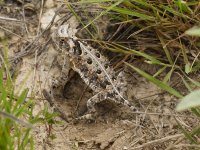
(94, 69)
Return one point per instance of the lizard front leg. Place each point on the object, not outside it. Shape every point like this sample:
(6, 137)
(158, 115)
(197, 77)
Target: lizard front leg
(92, 113)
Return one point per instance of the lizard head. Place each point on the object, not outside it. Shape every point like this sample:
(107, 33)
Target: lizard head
(64, 31)
(68, 40)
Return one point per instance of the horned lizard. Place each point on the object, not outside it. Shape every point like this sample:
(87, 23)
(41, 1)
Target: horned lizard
(93, 68)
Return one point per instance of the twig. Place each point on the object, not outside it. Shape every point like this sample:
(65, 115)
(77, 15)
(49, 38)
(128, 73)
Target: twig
(11, 32)
(157, 141)
(49, 97)
(80, 98)
(187, 145)
(40, 16)
(7, 115)
(24, 21)
(9, 19)
(162, 114)
(25, 51)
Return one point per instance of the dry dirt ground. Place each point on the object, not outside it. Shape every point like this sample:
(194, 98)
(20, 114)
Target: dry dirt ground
(116, 127)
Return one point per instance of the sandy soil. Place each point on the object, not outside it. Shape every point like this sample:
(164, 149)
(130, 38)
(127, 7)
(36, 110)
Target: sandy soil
(116, 127)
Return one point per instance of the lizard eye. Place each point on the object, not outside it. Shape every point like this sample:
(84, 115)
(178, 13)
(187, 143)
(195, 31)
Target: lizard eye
(63, 31)
(62, 40)
(63, 43)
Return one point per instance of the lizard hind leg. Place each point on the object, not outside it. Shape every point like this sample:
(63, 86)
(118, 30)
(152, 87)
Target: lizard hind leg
(99, 97)
(92, 113)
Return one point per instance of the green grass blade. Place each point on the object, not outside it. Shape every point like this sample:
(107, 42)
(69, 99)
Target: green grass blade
(189, 101)
(20, 100)
(94, 1)
(173, 11)
(105, 12)
(77, 17)
(7, 115)
(196, 83)
(159, 71)
(157, 82)
(133, 13)
(195, 31)
(168, 76)
(167, 53)
(186, 84)
(195, 131)
(187, 134)
(124, 49)
(196, 112)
